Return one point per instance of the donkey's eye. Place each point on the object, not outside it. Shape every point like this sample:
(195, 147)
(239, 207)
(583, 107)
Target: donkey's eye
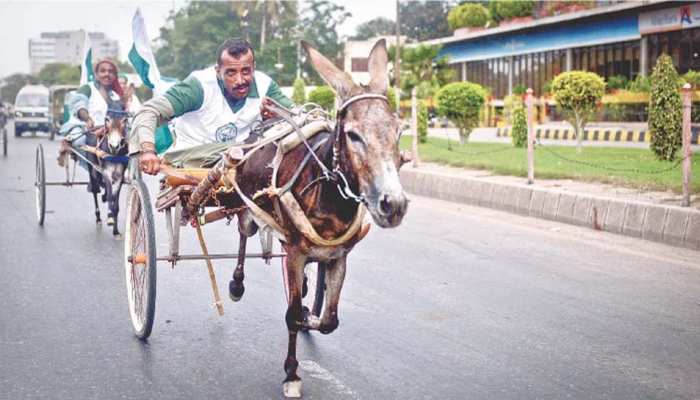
(356, 138)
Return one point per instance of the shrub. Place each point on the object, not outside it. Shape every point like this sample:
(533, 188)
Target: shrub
(299, 93)
(692, 77)
(547, 87)
(506, 9)
(519, 90)
(468, 15)
(461, 102)
(324, 97)
(665, 110)
(640, 84)
(519, 130)
(391, 96)
(577, 94)
(617, 82)
(510, 103)
(422, 122)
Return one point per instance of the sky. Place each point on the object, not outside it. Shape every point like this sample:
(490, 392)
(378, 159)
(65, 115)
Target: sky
(24, 20)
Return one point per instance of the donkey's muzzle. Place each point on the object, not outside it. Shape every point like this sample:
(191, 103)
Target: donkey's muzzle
(392, 208)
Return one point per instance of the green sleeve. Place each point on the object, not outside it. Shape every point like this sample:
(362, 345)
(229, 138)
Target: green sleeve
(85, 90)
(185, 96)
(276, 94)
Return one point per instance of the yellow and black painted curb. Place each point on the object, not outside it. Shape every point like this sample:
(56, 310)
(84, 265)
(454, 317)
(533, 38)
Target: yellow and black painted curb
(596, 134)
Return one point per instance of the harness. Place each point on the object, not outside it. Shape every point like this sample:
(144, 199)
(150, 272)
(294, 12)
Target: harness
(282, 196)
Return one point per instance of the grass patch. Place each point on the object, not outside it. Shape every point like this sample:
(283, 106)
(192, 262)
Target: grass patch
(628, 167)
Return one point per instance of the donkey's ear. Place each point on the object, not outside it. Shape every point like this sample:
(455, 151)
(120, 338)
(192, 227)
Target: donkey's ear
(378, 58)
(337, 79)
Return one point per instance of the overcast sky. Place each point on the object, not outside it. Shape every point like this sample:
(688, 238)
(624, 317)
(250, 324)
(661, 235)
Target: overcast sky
(23, 20)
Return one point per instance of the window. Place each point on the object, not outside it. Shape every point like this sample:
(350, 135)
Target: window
(359, 65)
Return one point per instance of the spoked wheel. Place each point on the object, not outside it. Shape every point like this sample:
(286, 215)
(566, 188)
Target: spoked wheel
(313, 290)
(140, 259)
(40, 185)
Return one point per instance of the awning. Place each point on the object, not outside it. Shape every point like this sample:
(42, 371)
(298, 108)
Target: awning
(575, 34)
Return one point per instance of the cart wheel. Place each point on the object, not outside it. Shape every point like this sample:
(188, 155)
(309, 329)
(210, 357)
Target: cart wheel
(140, 259)
(40, 185)
(4, 141)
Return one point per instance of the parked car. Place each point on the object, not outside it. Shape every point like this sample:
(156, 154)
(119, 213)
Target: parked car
(32, 110)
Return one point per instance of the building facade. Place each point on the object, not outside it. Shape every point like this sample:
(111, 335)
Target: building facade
(66, 47)
(622, 39)
(356, 53)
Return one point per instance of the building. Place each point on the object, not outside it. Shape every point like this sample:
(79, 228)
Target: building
(615, 39)
(356, 53)
(66, 47)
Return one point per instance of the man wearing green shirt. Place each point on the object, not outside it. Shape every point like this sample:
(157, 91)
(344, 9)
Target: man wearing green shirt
(213, 108)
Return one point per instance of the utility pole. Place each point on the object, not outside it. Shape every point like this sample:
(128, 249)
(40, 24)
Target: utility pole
(397, 60)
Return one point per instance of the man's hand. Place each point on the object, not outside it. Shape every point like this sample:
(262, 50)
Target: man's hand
(265, 112)
(148, 160)
(149, 163)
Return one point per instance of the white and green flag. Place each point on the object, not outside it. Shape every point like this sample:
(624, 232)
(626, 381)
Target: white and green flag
(141, 56)
(86, 72)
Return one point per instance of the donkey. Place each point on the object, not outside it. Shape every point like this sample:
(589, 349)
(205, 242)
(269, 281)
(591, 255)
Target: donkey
(364, 156)
(112, 158)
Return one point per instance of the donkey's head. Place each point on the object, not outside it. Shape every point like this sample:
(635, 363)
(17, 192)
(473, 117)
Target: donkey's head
(368, 134)
(115, 129)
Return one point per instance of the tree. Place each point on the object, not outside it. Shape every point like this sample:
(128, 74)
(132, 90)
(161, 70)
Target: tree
(422, 68)
(423, 20)
(577, 94)
(470, 15)
(299, 95)
(519, 130)
(59, 74)
(319, 22)
(324, 96)
(13, 83)
(665, 110)
(460, 102)
(379, 26)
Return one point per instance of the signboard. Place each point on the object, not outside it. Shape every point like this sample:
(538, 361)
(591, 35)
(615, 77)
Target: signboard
(670, 19)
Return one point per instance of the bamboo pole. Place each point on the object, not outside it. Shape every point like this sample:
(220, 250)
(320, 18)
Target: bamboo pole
(687, 151)
(414, 127)
(210, 267)
(530, 139)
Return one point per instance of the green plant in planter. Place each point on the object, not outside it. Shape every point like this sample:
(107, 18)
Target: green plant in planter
(665, 110)
(469, 15)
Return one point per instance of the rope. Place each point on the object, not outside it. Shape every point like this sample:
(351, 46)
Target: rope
(612, 169)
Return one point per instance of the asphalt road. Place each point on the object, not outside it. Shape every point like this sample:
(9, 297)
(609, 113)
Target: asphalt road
(457, 303)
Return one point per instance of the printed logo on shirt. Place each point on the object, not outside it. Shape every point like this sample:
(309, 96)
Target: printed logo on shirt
(226, 133)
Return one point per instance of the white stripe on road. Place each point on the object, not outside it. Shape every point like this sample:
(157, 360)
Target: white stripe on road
(318, 372)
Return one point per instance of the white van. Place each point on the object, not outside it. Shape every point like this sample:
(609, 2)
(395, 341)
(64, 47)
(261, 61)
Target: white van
(32, 110)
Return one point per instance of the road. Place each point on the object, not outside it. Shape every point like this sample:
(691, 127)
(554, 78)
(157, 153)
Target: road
(457, 303)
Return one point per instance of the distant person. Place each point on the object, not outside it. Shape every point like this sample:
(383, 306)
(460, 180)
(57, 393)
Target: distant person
(215, 107)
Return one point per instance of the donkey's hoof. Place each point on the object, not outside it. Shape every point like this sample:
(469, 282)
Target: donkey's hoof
(292, 389)
(235, 290)
(110, 221)
(117, 236)
(98, 221)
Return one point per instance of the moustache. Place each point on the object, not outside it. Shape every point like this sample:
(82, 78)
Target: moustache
(240, 87)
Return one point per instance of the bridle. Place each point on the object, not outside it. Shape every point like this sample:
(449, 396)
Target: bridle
(343, 186)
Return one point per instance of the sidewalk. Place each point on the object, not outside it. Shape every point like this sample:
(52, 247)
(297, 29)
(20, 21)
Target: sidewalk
(655, 216)
(595, 135)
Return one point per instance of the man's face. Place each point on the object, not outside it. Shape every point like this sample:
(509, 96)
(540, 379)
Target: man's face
(106, 74)
(236, 73)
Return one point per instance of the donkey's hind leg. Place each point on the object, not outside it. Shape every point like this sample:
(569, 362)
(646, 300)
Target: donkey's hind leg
(246, 229)
(235, 286)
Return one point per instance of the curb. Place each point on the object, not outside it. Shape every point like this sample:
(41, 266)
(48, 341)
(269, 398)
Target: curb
(677, 226)
(597, 134)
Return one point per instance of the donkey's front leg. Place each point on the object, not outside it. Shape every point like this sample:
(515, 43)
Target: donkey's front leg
(335, 275)
(295, 276)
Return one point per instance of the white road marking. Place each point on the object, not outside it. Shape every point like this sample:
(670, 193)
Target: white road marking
(318, 372)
